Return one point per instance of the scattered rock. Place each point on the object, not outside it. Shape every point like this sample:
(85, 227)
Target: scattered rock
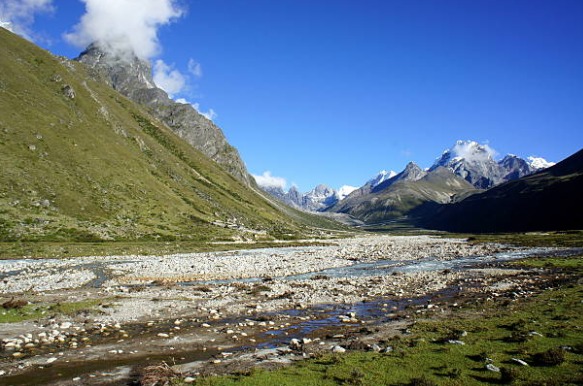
(519, 361)
(295, 344)
(338, 349)
(68, 91)
(491, 367)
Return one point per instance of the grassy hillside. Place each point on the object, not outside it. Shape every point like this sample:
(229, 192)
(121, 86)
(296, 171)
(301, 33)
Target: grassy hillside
(82, 163)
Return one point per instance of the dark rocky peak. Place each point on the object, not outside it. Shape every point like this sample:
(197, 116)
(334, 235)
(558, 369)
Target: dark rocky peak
(294, 196)
(319, 198)
(514, 167)
(132, 77)
(321, 190)
(412, 172)
(473, 162)
(123, 71)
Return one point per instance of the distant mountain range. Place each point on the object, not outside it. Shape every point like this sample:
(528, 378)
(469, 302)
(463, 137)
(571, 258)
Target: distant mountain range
(547, 200)
(465, 168)
(475, 163)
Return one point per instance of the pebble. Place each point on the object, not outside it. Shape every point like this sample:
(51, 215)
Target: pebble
(491, 367)
(338, 349)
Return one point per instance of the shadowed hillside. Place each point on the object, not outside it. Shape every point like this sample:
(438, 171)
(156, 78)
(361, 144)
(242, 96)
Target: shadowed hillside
(548, 200)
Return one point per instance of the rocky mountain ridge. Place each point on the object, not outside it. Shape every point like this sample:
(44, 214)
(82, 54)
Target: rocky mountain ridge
(468, 160)
(547, 200)
(398, 196)
(475, 163)
(132, 77)
(83, 163)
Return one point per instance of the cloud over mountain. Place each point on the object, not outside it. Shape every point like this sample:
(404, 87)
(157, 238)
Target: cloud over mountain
(125, 26)
(168, 78)
(472, 151)
(18, 15)
(269, 181)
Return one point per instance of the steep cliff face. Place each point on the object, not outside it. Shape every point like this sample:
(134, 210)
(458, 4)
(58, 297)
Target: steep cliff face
(132, 77)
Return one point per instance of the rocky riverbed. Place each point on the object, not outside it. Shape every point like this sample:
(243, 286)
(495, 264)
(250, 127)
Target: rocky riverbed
(201, 309)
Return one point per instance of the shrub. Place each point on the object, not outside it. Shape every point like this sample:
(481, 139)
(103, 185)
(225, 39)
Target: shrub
(508, 375)
(551, 357)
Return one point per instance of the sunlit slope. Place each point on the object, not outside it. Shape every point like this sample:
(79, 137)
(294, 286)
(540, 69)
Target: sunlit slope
(81, 162)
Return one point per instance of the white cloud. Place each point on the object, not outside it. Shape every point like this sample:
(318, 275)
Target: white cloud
(210, 114)
(18, 15)
(195, 68)
(168, 78)
(471, 150)
(124, 26)
(344, 191)
(269, 181)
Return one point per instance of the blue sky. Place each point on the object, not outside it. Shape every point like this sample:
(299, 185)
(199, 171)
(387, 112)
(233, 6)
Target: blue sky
(323, 91)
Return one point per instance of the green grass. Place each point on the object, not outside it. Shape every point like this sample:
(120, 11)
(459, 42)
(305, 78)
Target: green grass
(100, 168)
(43, 310)
(571, 239)
(496, 330)
(10, 250)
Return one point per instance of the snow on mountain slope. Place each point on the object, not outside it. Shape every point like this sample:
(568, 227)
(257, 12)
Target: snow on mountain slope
(538, 163)
(344, 191)
(476, 164)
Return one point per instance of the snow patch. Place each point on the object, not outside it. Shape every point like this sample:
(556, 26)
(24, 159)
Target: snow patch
(538, 163)
(344, 191)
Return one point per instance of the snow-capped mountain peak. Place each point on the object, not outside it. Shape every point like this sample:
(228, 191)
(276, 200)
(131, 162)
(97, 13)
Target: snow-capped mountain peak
(468, 151)
(473, 162)
(538, 163)
(344, 191)
(381, 177)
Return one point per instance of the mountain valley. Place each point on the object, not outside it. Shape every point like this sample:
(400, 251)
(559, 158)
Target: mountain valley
(136, 248)
(83, 163)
